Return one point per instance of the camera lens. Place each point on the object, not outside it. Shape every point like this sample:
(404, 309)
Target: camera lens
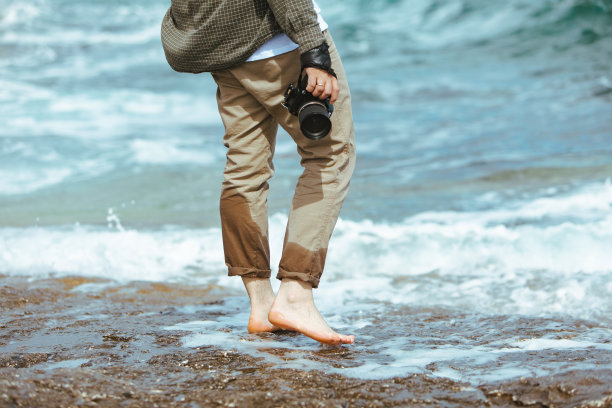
(314, 120)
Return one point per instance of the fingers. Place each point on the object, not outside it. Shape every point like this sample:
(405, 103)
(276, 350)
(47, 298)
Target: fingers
(322, 88)
(322, 84)
(319, 78)
(312, 80)
(335, 91)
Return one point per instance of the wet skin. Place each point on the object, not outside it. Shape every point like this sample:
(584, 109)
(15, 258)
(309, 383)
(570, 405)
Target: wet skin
(293, 308)
(261, 296)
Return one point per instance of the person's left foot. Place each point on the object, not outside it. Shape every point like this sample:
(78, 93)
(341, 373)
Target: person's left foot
(294, 309)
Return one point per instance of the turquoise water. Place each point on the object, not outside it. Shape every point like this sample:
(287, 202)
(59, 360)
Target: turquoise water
(484, 134)
(452, 100)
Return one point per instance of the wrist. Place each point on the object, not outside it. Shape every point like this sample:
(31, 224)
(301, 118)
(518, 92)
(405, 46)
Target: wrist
(317, 57)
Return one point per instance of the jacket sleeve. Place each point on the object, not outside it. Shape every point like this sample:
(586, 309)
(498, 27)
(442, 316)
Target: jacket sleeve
(298, 20)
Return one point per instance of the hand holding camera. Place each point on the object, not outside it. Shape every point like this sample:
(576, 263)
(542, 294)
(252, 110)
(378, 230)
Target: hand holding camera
(322, 84)
(311, 98)
(313, 113)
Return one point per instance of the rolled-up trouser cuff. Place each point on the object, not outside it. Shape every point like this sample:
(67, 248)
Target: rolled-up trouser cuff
(248, 272)
(303, 276)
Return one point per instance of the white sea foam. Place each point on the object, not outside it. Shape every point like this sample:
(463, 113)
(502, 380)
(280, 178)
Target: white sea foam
(168, 152)
(540, 257)
(438, 24)
(106, 116)
(543, 344)
(19, 181)
(18, 92)
(526, 258)
(109, 253)
(550, 255)
(82, 36)
(18, 13)
(28, 165)
(387, 356)
(34, 15)
(49, 170)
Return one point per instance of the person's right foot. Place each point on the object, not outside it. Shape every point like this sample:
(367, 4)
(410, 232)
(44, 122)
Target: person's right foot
(294, 309)
(258, 320)
(261, 295)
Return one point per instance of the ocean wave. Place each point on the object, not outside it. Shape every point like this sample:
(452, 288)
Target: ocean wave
(111, 113)
(19, 13)
(20, 181)
(29, 165)
(546, 256)
(82, 37)
(46, 170)
(417, 24)
(426, 24)
(168, 152)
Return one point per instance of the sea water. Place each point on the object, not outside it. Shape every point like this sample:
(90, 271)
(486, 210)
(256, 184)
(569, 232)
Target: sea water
(481, 203)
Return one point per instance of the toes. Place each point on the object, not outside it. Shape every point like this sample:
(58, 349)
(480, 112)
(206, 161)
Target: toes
(336, 339)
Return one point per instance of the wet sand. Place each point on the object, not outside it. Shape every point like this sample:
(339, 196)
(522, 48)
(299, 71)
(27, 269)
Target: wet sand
(63, 345)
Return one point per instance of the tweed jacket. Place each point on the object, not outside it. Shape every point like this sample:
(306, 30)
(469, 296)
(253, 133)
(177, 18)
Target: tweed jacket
(211, 35)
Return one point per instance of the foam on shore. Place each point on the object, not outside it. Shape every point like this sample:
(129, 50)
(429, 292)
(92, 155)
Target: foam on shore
(546, 256)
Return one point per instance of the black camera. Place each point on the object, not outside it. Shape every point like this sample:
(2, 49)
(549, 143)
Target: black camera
(314, 114)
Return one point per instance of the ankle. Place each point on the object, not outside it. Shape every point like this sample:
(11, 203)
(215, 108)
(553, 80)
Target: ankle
(295, 291)
(259, 290)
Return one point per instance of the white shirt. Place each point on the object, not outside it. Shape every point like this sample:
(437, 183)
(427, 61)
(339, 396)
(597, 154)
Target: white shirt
(280, 43)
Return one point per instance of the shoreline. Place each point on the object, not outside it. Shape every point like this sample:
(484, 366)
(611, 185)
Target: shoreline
(66, 347)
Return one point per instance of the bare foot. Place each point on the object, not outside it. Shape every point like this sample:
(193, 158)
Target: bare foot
(261, 295)
(294, 309)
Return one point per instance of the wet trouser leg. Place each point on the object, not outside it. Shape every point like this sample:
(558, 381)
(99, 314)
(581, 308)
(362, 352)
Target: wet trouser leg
(249, 99)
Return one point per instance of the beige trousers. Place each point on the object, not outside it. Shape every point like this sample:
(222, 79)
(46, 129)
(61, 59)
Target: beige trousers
(249, 98)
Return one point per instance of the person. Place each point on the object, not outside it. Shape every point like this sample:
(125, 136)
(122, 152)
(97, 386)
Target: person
(254, 49)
